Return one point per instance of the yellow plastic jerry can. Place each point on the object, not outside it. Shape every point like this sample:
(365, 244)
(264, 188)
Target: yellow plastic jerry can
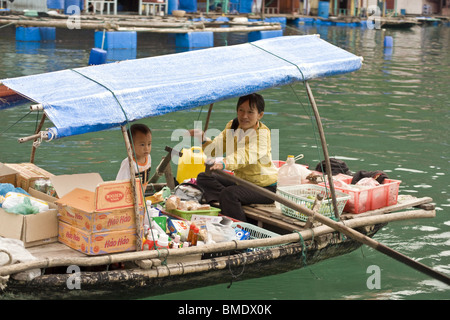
(191, 163)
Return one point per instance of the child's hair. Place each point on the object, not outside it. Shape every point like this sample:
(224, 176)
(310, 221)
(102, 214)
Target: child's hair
(138, 127)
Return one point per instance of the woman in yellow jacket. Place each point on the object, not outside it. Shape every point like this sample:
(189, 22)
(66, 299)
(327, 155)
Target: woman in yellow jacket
(246, 146)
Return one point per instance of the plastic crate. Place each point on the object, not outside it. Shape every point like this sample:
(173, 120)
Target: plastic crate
(255, 233)
(384, 195)
(299, 194)
(187, 215)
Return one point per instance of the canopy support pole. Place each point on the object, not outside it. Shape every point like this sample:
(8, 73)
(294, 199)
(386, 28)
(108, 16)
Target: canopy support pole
(208, 116)
(133, 187)
(324, 148)
(38, 129)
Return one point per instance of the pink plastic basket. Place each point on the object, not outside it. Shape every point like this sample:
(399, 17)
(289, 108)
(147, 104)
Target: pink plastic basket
(360, 201)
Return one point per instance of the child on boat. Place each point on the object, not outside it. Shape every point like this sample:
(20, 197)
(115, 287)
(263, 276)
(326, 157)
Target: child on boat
(141, 137)
(250, 159)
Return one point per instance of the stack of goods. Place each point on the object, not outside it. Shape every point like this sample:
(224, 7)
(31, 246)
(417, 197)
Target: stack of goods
(186, 208)
(26, 214)
(95, 229)
(167, 229)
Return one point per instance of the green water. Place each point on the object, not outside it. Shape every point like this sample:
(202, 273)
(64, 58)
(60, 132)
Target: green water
(392, 115)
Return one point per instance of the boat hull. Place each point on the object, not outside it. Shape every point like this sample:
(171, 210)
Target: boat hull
(138, 283)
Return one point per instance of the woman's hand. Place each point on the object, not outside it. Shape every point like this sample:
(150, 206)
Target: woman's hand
(196, 133)
(218, 166)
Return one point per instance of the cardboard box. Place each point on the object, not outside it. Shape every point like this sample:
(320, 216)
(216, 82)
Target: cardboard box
(77, 208)
(32, 229)
(109, 207)
(103, 196)
(27, 173)
(98, 243)
(99, 219)
(7, 175)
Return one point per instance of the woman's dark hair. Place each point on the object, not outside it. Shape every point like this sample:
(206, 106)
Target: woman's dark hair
(255, 100)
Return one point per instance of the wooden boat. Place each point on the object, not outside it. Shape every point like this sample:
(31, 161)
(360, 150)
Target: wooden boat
(194, 79)
(398, 23)
(9, 98)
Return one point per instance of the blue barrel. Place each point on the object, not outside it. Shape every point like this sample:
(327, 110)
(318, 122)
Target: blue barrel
(172, 5)
(324, 9)
(55, 4)
(388, 41)
(28, 34)
(97, 56)
(69, 3)
(188, 5)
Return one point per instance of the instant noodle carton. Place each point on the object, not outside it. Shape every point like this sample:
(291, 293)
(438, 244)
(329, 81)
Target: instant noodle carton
(98, 243)
(78, 209)
(99, 219)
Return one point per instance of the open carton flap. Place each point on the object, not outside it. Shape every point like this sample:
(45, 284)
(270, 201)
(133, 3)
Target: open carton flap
(79, 198)
(64, 184)
(107, 196)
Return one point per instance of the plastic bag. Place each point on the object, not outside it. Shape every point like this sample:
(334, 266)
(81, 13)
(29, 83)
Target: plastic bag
(8, 187)
(26, 207)
(189, 191)
(12, 199)
(219, 233)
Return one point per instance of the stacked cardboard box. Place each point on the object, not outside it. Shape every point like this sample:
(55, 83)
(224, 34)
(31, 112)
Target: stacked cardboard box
(100, 221)
(34, 229)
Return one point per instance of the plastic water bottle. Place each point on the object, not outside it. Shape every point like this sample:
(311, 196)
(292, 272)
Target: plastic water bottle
(291, 173)
(163, 241)
(151, 211)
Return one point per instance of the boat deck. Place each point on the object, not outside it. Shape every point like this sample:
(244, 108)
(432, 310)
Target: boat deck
(272, 215)
(266, 215)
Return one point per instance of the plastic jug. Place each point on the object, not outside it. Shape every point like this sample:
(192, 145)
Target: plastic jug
(291, 173)
(191, 163)
(163, 241)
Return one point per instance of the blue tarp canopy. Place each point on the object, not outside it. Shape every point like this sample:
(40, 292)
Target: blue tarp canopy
(99, 97)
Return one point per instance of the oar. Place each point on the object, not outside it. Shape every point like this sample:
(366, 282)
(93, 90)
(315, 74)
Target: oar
(349, 232)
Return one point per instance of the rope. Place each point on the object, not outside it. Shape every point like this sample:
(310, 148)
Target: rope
(235, 276)
(14, 123)
(304, 246)
(7, 24)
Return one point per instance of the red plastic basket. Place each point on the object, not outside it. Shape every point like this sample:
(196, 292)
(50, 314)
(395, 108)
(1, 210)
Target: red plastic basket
(360, 201)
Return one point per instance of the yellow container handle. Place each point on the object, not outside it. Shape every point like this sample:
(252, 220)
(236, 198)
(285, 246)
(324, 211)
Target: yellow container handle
(196, 149)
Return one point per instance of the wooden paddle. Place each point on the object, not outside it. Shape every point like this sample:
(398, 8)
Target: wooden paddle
(349, 232)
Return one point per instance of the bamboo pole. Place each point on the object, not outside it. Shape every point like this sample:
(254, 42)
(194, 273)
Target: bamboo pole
(41, 134)
(324, 148)
(217, 247)
(339, 227)
(38, 129)
(207, 118)
(133, 187)
(185, 30)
